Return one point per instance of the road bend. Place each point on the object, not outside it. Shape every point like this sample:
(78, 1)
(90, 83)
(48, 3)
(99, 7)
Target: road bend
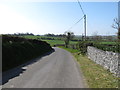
(56, 70)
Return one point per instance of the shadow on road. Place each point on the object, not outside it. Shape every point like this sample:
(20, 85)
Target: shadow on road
(6, 76)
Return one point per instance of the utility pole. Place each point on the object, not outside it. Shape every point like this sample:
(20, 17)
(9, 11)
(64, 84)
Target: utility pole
(119, 21)
(82, 37)
(85, 26)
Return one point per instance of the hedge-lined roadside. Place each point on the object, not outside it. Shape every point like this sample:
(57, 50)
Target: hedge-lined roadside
(82, 46)
(16, 50)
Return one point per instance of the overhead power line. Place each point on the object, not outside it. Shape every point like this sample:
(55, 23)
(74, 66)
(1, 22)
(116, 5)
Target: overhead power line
(84, 19)
(76, 23)
(81, 7)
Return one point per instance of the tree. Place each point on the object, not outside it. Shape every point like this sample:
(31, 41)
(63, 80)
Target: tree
(96, 37)
(116, 25)
(68, 36)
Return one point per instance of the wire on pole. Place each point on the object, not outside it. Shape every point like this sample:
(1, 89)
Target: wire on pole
(76, 23)
(84, 19)
(81, 7)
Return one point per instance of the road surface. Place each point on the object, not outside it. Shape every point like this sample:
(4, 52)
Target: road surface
(56, 70)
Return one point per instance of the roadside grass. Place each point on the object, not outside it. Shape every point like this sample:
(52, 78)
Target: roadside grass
(95, 75)
(70, 50)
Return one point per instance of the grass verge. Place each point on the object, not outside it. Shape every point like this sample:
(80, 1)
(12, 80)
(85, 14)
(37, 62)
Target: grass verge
(96, 76)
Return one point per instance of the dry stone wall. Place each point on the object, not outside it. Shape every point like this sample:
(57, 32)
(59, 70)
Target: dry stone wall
(109, 60)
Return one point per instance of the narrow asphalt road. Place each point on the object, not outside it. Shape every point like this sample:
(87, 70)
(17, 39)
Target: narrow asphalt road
(56, 70)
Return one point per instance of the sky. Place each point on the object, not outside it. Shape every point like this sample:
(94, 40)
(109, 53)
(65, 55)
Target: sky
(57, 17)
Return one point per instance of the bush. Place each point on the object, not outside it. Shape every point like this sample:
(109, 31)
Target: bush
(16, 50)
(108, 47)
(82, 46)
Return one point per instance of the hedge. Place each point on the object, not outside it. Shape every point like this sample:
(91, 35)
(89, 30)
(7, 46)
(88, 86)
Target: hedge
(17, 50)
(82, 46)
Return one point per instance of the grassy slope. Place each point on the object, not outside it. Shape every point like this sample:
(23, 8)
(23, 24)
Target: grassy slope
(96, 76)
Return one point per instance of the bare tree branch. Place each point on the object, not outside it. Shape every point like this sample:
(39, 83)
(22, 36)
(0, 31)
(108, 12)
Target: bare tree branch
(116, 25)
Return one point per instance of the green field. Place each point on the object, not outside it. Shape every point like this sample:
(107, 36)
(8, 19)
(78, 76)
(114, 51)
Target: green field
(107, 42)
(39, 37)
(51, 42)
(31, 37)
(54, 42)
(58, 40)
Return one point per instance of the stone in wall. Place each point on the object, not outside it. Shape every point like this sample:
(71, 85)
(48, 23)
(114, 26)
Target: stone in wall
(109, 60)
